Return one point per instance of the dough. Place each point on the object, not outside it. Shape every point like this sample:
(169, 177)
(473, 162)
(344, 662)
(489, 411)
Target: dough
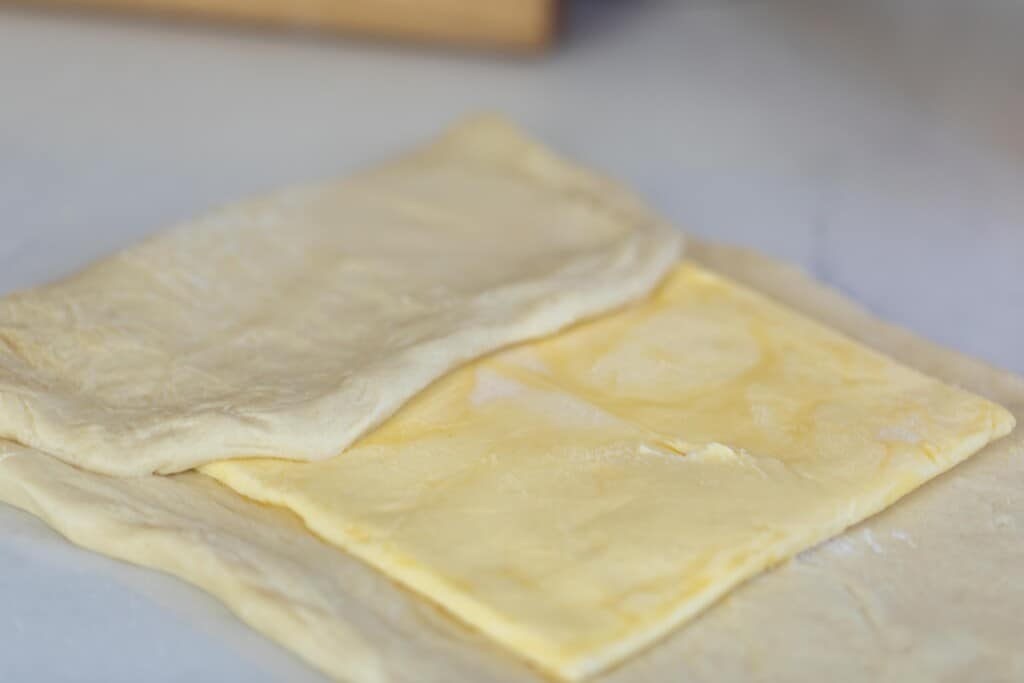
(578, 497)
(923, 591)
(291, 324)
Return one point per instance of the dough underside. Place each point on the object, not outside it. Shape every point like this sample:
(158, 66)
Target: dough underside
(907, 596)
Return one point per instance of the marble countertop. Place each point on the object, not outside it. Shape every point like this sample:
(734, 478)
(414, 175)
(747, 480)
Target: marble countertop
(876, 144)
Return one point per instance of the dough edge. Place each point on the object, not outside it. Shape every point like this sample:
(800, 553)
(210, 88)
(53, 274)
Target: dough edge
(126, 519)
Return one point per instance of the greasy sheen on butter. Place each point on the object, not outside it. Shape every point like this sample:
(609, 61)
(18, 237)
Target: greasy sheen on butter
(577, 498)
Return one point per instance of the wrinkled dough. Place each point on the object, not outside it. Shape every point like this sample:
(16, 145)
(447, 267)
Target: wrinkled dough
(292, 323)
(909, 596)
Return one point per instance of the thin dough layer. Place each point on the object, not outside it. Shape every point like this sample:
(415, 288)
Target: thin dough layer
(291, 324)
(915, 594)
(578, 497)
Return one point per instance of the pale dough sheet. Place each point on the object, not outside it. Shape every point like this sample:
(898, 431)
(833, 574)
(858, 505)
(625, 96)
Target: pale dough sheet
(291, 324)
(924, 591)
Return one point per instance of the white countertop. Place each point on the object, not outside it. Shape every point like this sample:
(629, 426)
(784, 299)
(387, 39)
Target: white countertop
(877, 144)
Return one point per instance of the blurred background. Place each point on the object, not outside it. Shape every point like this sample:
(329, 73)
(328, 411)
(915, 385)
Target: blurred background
(877, 144)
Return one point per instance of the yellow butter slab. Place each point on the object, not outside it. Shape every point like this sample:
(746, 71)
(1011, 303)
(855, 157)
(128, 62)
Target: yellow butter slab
(577, 498)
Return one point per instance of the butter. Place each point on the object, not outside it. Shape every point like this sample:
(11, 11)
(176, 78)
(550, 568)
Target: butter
(577, 498)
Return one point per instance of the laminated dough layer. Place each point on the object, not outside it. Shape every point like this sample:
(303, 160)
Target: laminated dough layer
(577, 497)
(923, 591)
(291, 324)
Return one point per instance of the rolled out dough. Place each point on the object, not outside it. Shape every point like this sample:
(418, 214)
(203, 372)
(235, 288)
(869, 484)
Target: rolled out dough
(293, 323)
(921, 592)
(577, 497)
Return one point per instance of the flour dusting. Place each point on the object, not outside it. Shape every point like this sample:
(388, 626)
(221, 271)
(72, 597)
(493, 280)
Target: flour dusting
(841, 546)
(905, 537)
(898, 433)
(1003, 522)
(869, 538)
(491, 386)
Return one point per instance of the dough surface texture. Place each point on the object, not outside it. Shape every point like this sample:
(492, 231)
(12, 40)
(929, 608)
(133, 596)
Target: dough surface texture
(292, 324)
(923, 591)
(577, 497)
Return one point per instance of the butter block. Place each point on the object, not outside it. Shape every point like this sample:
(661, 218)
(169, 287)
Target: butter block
(578, 497)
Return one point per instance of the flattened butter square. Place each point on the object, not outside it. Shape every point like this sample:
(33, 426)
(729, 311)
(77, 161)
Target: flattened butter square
(577, 498)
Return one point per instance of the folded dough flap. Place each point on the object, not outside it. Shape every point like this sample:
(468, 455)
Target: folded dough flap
(577, 497)
(291, 324)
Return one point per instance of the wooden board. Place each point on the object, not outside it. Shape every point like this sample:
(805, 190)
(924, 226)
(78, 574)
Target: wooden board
(507, 24)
